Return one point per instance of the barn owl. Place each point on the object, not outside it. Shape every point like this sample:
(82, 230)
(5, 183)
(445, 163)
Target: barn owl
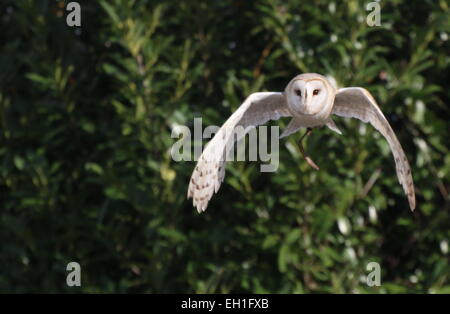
(310, 99)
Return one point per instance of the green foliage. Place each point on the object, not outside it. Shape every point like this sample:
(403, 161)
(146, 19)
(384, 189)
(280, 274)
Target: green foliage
(86, 174)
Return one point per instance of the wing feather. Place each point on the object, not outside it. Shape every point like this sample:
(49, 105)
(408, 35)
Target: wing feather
(357, 102)
(209, 173)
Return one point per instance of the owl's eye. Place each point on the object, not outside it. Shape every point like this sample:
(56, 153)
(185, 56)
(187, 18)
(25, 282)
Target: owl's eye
(298, 92)
(316, 92)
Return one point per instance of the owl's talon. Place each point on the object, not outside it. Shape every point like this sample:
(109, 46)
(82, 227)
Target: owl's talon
(311, 163)
(302, 150)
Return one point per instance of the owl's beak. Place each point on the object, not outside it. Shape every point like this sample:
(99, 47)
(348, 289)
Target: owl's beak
(305, 97)
(306, 110)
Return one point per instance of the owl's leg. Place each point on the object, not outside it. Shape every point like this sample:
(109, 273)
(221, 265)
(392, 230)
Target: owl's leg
(302, 150)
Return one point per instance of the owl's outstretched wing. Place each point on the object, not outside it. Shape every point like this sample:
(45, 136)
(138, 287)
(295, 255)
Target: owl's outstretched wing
(357, 102)
(257, 109)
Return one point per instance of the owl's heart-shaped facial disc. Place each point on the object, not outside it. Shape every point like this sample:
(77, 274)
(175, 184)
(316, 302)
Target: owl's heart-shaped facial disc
(307, 97)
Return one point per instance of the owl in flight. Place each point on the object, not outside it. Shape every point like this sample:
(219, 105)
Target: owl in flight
(309, 99)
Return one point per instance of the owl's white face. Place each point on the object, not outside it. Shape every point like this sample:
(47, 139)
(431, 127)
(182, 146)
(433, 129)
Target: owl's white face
(307, 97)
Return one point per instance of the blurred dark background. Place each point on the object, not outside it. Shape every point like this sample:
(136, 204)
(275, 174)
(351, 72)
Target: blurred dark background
(86, 174)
